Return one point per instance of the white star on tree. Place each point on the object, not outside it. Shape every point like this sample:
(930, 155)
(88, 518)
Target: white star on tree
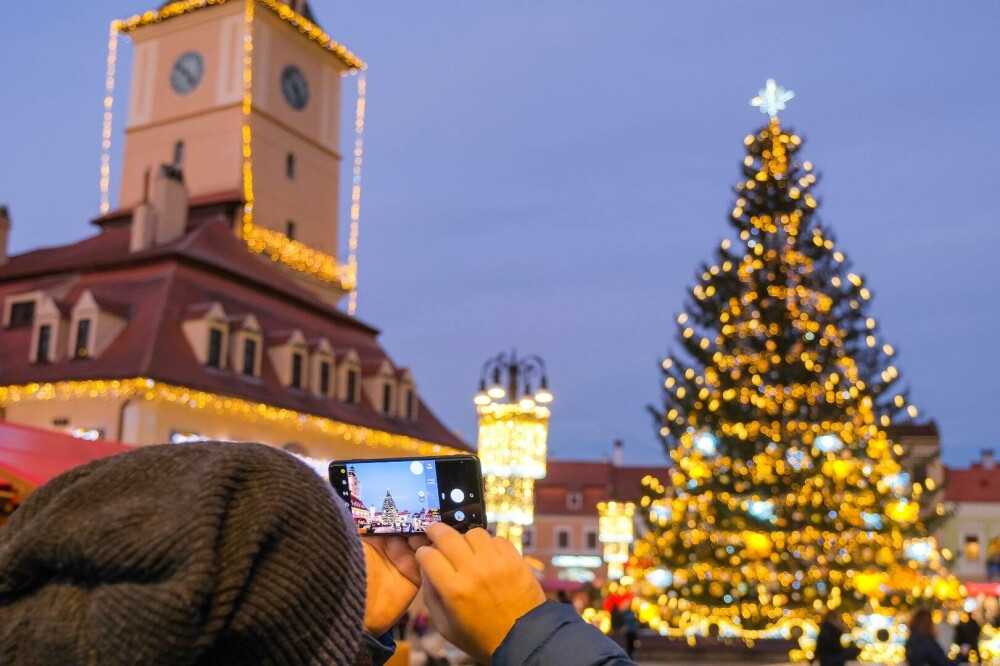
(772, 98)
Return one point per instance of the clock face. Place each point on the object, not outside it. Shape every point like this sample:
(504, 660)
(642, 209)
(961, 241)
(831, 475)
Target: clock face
(295, 87)
(187, 72)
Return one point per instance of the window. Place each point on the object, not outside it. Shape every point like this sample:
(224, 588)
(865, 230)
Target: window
(44, 340)
(249, 357)
(920, 473)
(82, 338)
(971, 549)
(214, 348)
(290, 166)
(562, 538)
(590, 540)
(386, 398)
(296, 370)
(410, 401)
(352, 386)
(574, 499)
(179, 154)
(290, 229)
(527, 538)
(324, 378)
(22, 314)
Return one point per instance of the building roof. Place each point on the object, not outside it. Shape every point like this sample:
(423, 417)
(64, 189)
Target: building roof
(30, 457)
(978, 483)
(597, 480)
(162, 286)
(303, 21)
(927, 429)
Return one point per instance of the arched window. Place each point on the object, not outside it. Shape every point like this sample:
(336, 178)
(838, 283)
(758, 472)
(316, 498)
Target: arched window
(290, 166)
(179, 154)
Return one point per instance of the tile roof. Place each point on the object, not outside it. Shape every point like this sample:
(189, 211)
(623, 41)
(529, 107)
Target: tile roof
(162, 285)
(977, 483)
(597, 480)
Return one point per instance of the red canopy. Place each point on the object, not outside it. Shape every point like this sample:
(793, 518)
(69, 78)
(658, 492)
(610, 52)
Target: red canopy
(988, 589)
(30, 457)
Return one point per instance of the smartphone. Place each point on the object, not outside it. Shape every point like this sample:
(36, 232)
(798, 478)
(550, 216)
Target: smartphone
(402, 496)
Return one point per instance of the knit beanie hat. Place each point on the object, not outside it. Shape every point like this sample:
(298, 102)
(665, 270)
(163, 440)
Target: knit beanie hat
(213, 553)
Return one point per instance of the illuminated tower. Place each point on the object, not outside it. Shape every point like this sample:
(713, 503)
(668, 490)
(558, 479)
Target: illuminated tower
(244, 96)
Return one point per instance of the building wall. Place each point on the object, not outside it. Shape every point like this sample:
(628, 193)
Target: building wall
(978, 520)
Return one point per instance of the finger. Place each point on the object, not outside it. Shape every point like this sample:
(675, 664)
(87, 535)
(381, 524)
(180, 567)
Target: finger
(480, 541)
(450, 543)
(435, 567)
(399, 555)
(418, 541)
(435, 607)
(505, 548)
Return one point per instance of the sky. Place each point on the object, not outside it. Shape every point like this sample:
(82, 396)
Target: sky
(547, 176)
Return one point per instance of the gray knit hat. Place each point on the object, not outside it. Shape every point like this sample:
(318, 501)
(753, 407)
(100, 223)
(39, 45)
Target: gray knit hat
(214, 553)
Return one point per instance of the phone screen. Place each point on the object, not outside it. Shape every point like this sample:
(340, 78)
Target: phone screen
(403, 496)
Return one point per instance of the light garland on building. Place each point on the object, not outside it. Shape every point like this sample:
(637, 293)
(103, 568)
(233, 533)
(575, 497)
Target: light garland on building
(260, 240)
(149, 390)
(106, 125)
(359, 145)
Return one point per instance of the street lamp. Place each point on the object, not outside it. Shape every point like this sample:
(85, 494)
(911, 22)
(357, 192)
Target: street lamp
(615, 530)
(513, 429)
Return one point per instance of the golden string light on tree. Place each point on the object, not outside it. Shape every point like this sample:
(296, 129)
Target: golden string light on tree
(513, 431)
(785, 496)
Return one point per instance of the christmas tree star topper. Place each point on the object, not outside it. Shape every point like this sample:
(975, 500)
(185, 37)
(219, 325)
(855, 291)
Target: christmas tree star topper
(772, 98)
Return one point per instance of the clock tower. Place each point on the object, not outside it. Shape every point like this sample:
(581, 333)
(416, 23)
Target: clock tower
(244, 98)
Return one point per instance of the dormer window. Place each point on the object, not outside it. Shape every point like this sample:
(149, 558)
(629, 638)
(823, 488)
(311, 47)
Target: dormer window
(214, 348)
(81, 347)
(324, 378)
(387, 398)
(351, 389)
(245, 345)
(95, 323)
(42, 351)
(207, 332)
(410, 405)
(296, 381)
(249, 366)
(348, 377)
(21, 314)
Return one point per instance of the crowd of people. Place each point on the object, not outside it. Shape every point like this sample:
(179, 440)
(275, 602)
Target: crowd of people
(240, 554)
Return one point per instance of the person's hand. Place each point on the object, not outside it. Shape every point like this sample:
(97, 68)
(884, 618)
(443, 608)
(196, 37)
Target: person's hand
(393, 579)
(478, 587)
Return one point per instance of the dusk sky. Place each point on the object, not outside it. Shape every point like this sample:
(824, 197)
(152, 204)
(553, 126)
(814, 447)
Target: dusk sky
(549, 175)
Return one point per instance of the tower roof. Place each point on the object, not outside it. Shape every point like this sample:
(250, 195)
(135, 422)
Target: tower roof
(303, 20)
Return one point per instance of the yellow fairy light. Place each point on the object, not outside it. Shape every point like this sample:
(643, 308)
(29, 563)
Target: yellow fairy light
(149, 390)
(106, 126)
(359, 135)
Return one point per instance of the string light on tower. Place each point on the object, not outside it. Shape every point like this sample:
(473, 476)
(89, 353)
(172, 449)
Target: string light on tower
(513, 433)
(106, 126)
(359, 144)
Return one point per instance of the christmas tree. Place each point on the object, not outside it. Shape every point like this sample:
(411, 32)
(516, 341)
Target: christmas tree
(785, 495)
(389, 512)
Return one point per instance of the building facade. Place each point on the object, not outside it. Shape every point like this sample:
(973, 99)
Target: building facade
(565, 537)
(972, 533)
(205, 306)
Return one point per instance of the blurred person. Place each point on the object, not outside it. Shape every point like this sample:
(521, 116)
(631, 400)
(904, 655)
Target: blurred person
(830, 648)
(483, 597)
(197, 554)
(922, 648)
(966, 637)
(630, 627)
